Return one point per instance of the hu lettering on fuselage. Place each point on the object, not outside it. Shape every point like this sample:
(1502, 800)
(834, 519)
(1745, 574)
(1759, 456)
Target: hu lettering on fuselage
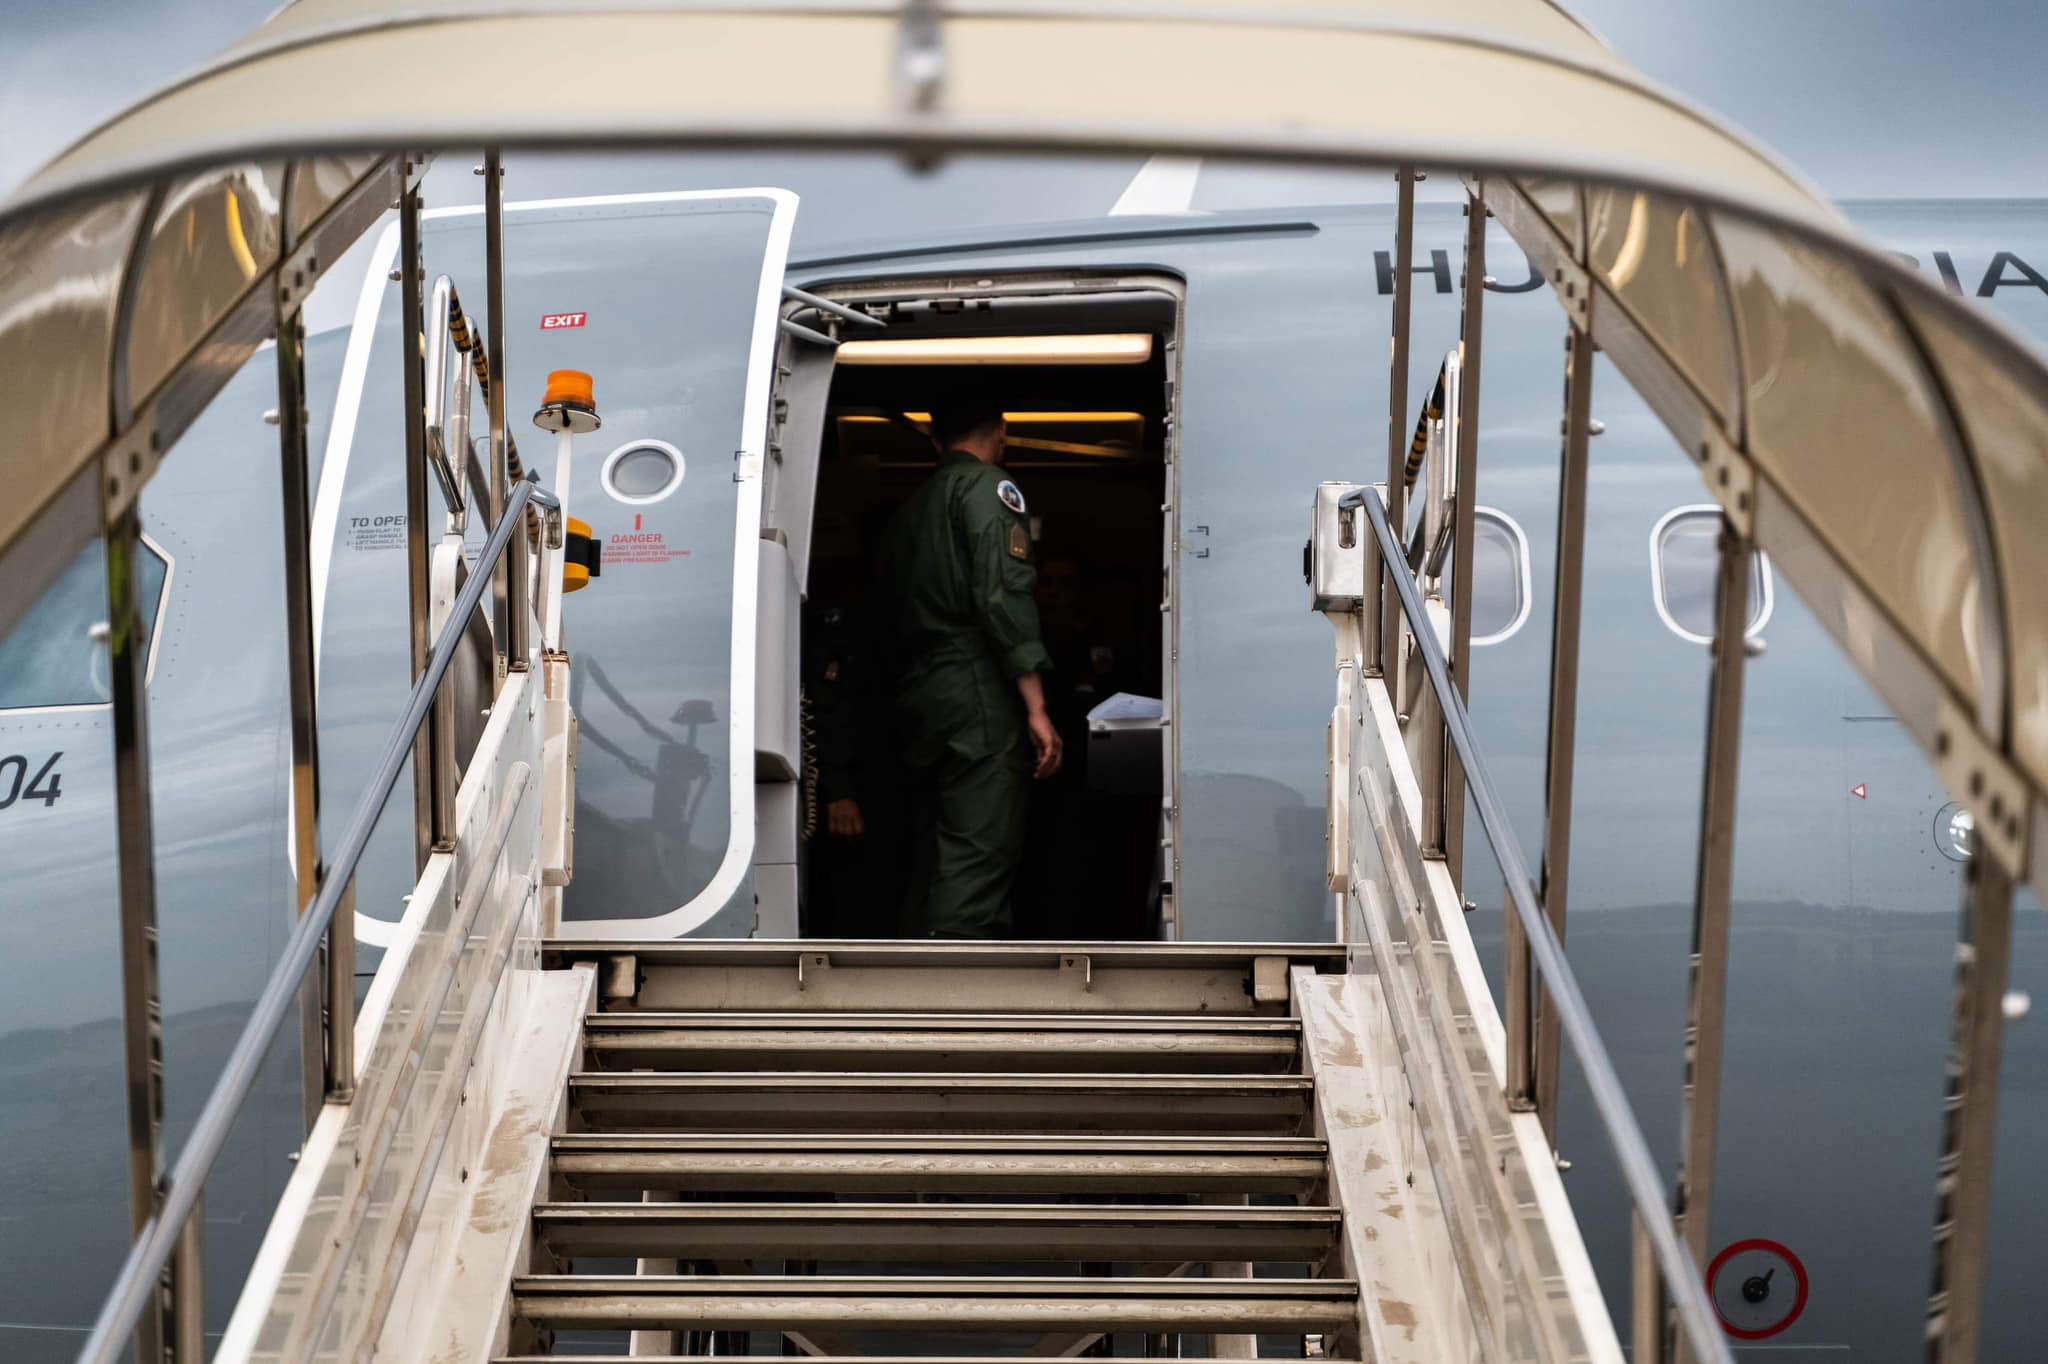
(2006, 270)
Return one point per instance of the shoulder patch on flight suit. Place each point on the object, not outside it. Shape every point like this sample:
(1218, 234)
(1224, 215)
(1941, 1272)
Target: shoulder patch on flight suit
(1020, 543)
(1011, 496)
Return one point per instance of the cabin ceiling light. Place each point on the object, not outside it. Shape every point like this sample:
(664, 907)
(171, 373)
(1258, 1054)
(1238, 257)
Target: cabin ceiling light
(1045, 418)
(1108, 348)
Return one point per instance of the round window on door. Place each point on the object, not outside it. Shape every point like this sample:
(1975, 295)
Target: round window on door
(642, 471)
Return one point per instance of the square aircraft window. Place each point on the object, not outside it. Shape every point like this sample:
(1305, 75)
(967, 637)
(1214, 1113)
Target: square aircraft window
(1500, 572)
(51, 657)
(1684, 555)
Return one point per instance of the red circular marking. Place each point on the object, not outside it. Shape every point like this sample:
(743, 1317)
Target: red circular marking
(1798, 1273)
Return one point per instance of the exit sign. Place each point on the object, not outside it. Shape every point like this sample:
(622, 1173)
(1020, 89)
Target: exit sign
(557, 321)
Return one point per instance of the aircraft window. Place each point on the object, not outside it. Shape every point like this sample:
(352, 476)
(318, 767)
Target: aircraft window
(642, 471)
(1500, 568)
(1683, 559)
(51, 657)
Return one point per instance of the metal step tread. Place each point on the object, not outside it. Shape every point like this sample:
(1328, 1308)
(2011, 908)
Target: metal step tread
(831, 1162)
(1082, 1145)
(911, 1287)
(883, 1101)
(1150, 978)
(975, 1079)
(956, 1022)
(755, 1041)
(728, 1302)
(985, 1232)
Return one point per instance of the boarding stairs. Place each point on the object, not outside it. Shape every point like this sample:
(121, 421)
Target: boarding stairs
(523, 1145)
(530, 1146)
(858, 1150)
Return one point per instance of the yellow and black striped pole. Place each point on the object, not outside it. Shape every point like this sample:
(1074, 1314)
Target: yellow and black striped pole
(480, 363)
(1432, 410)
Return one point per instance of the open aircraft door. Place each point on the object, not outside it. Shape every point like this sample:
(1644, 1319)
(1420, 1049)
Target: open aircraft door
(670, 302)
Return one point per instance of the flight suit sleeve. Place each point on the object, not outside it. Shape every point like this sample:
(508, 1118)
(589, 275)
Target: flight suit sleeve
(1001, 575)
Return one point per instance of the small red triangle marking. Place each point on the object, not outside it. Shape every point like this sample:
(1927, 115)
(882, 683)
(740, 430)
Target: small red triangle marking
(1858, 792)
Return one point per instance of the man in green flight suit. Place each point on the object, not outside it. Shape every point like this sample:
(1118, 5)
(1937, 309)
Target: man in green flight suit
(970, 704)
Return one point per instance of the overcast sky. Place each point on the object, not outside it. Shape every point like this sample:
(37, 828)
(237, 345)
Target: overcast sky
(1871, 98)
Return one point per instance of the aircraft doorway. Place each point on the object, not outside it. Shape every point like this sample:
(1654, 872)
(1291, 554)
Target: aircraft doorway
(1084, 382)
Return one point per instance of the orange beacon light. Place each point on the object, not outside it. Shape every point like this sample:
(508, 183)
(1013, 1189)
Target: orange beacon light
(570, 404)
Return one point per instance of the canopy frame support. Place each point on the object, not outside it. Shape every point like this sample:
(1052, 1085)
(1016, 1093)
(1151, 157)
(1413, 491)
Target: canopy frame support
(1540, 1056)
(1707, 969)
(123, 468)
(494, 340)
(317, 995)
(1383, 614)
(164, 1321)
(1464, 498)
(1969, 1130)
(419, 597)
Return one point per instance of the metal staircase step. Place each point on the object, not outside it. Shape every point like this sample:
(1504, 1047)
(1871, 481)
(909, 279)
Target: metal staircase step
(1205, 979)
(919, 1042)
(630, 1163)
(799, 1101)
(981, 1233)
(739, 1303)
(782, 1079)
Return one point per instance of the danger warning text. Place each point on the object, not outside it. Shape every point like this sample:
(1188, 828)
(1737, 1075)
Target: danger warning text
(640, 547)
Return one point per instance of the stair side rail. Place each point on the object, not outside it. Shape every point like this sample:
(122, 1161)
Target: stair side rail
(1528, 1280)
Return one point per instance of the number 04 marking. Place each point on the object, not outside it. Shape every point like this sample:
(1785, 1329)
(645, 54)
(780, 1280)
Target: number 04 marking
(45, 786)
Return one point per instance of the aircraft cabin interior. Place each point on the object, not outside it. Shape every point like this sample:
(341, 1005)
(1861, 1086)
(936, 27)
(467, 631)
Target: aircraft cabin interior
(1085, 381)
